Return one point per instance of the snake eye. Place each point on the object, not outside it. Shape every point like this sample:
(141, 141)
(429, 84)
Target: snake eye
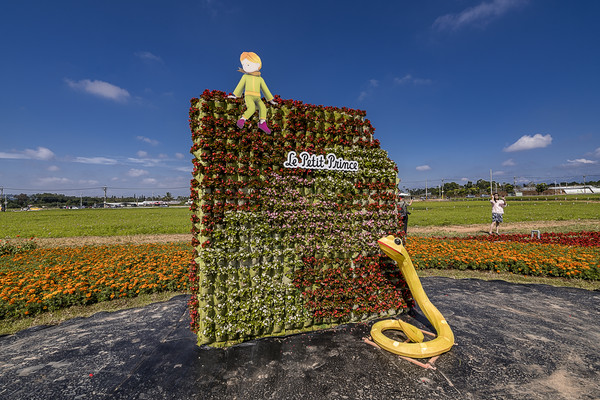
(398, 241)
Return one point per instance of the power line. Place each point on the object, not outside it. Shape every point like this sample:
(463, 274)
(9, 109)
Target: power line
(100, 188)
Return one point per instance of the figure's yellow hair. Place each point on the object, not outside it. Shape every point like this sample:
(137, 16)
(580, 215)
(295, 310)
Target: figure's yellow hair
(250, 56)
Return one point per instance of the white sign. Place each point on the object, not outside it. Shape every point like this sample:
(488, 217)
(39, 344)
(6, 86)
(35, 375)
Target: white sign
(313, 161)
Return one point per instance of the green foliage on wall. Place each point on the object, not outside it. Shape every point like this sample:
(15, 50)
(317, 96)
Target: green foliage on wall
(279, 249)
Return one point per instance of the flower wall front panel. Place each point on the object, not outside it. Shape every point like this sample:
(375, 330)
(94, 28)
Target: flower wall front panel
(284, 242)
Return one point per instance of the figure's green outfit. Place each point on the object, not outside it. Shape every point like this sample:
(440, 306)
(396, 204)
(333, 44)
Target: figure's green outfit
(252, 85)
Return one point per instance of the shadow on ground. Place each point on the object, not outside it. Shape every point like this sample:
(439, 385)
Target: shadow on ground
(513, 342)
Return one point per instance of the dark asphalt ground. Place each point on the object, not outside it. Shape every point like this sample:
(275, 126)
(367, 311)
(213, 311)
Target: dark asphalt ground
(513, 342)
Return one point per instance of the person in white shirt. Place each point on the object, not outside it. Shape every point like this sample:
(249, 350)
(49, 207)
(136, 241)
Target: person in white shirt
(497, 211)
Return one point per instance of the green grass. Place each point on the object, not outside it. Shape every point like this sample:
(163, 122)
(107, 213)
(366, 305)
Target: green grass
(142, 221)
(559, 197)
(442, 213)
(95, 222)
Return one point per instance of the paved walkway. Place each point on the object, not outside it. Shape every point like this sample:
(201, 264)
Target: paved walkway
(514, 342)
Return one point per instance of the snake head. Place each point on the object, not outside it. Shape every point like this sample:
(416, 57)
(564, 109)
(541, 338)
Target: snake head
(391, 246)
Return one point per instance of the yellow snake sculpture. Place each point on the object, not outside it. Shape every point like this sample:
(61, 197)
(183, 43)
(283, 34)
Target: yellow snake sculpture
(419, 349)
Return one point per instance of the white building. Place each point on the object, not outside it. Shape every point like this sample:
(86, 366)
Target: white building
(574, 189)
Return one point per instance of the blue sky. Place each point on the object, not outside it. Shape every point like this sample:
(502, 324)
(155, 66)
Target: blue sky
(97, 93)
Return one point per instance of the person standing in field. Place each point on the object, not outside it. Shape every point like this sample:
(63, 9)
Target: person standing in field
(497, 211)
(251, 85)
(402, 209)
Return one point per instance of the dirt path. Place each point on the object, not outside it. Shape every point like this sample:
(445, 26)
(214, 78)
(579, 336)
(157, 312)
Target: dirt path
(515, 227)
(104, 240)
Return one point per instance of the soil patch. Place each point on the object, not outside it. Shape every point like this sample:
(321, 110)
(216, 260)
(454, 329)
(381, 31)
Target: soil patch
(106, 240)
(509, 227)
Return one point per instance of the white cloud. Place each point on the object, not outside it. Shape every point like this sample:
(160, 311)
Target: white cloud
(41, 153)
(11, 155)
(597, 152)
(146, 162)
(479, 15)
(183, 169)
(581, 161)
(149, 181)
(53, 181)
(147, 56)
(100, 88)
(148, 140)
(527, 142)
(363, 95)
(163, 156)
(373, 83)
(464, 179)
(89, 182)
(409, 79)
(142, 153)
(134, 173)
(509, 163)
(499, 173)
(96, 160)
(181, 156)
(423, 168)
(53, 168)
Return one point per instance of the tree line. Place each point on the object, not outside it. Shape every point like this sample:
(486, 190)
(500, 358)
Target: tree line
(453, 189)
(56, 200)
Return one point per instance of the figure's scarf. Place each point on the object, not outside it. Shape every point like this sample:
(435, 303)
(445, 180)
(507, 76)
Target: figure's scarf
(256, 73)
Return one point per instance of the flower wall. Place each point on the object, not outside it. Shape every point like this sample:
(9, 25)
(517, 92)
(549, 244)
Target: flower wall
(284, 249)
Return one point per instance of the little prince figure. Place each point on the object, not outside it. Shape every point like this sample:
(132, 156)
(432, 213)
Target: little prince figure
(251, 84)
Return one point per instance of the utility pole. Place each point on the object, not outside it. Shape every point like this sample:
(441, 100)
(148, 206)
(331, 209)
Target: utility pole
(491, 184)
(2, 195)
(104, 206)
(442, 189)
(425, 188)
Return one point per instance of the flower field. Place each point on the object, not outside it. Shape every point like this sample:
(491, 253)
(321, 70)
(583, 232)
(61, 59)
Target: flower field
(583, 238)
(525, 257)
(42, 280)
